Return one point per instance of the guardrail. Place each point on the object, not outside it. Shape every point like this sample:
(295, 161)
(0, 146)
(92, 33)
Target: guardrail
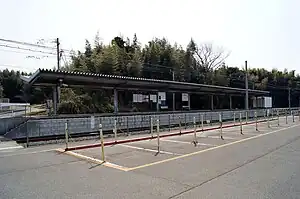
(39, 129)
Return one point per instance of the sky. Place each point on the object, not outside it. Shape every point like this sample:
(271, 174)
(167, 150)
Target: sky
(263, 32)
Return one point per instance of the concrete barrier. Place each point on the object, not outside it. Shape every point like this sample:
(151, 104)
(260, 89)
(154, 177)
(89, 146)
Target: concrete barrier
(125, 123)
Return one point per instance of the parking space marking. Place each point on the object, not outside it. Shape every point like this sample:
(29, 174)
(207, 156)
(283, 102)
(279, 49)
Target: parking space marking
(209, 149)
(150, 150)
(218, 137)
(93, 160)
(183, 142)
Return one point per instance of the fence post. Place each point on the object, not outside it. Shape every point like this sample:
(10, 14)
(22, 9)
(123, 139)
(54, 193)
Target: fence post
(202, 122)
(127, 127)
(268, 118)
(241, 125)
(255, 115)
(277, 117)
(246, 117)
(233, 118)
(180, 125)
(158, 143)
(286, 117)
(102, 142)
(169, 122)
(221, 126)
(151, 126)
(195, 136)
(66, 135)
(115, 129)
(293, 116)
(185, 121)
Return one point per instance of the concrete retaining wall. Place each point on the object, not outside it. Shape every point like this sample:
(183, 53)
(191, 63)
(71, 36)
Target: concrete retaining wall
(48, 127)
(6, 124)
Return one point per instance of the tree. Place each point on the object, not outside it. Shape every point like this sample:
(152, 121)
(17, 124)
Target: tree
(159, 59)
(209, 57)
(1, 91)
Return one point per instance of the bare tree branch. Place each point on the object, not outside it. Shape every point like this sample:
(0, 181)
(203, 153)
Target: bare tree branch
(209, 57)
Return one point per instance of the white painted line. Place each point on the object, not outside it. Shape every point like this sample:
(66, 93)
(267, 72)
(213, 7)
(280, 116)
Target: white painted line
(94, 160)
(11, 147)
(182, 142)
(176, 141)
(150, 150)
(218, 137)
(209, 149)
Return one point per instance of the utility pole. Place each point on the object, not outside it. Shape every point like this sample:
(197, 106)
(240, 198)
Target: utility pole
(173, 76)
(58, 53)
(246, 86)
(57, 88)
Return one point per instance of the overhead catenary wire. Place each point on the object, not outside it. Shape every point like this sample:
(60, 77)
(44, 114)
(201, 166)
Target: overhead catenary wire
(22, 52)
(26, 49)
(29, 44)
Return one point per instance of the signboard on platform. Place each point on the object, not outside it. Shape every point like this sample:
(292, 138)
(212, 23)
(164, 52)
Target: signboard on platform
(153, 98)
(162, 96)
(185, 97)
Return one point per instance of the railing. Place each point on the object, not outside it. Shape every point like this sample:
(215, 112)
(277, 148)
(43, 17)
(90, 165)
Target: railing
(38, 128)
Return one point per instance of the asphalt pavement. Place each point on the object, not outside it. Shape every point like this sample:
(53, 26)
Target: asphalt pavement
(262, 164)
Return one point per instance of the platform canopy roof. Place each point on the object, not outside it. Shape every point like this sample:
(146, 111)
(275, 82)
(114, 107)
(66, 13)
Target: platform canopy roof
(48, 78)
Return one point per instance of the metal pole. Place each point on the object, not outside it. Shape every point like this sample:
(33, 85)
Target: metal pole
(151, 126)
(202, 127)
(58, 53)
(246, 114)
(221, 126)
(169, 122)
(246, 87)
(286, 117)
(233, 118)
(180, 125)
(195, 136)
(115, 129)
(241, 125)
(58, 68)
(66, 135)
(278, 117)
(127, 127)
(255, 115)
(158, 143)
(293, 116)
(116, 103)
(268, 115)
(102, 142)
(185, 121)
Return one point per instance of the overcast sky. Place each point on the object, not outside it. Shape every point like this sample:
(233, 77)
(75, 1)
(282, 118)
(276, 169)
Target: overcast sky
(264, 32)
